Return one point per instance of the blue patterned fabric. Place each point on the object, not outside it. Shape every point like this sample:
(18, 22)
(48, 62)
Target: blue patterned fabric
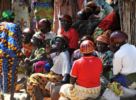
(10, 47)
(121, 79)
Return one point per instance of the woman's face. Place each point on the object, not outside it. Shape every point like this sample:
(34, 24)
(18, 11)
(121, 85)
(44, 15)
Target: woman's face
(26, 37)
(65, 24)
(44, 28)
(36, 42)
(101, 47)
(114, 46)
(58, 43)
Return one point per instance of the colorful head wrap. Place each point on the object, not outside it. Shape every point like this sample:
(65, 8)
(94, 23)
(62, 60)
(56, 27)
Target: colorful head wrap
(44, 23)
(87, 47)
(7, 15)
(61, 38)
(41, 66)
(39, 35)
(104, 37)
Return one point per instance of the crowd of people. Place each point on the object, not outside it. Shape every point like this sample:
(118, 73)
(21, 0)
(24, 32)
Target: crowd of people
(79, 62)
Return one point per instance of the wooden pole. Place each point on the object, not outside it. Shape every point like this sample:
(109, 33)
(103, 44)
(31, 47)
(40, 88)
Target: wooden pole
(127, 11)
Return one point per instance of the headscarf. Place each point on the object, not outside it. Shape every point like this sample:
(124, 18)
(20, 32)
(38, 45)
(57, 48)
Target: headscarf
(64, 40)
(104, 37)
(44, 22)
(87, 47)
(7, 15)
(39, 35)
(41, 66)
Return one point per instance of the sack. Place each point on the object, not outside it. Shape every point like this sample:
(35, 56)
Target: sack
(109, 95)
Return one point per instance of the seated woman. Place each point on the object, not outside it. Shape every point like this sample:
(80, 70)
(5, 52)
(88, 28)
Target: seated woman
(38, 53)
(105, 54)
(27, 48)
(26, 41)
(85, 76)
(41, 83)
(77, 53)
(44, 66)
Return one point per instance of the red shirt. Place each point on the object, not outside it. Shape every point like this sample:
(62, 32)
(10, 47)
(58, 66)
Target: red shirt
(87, 70)
(72, 36)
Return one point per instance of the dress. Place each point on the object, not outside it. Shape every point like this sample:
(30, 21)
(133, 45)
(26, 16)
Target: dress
(107, 58)
(87, 71)
(61, 66)
(10, 47)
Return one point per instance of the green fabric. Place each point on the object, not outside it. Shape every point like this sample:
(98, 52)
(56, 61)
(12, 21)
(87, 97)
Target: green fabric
(98, 31)
(40, 53)
(7, 14)
(131, 78)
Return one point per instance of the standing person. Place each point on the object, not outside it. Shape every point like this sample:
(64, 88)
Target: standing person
(124, 62)
(10, 47)
(69, 32)
(62, 7)
(85, 76)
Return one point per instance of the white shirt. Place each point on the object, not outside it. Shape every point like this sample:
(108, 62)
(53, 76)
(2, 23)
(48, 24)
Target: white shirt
(50, 35)
(124, 61)
(61, 63)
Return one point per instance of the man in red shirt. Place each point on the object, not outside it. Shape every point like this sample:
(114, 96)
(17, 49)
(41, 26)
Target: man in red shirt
(85, 76)
(69, 32)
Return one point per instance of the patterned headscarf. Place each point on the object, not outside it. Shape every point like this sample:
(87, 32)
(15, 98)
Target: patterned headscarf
(104, 37)
(7, 15)
(39, 35)
(87, 47)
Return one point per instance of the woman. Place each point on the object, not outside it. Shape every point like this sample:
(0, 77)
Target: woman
(85, 76)
(38, 52)
(58, 73)
(26, 39)
(10, 50)
(69, 32)
(105, 54)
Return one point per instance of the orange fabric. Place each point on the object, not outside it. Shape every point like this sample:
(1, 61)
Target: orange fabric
(72, 36)
(87, 47)
(27, 49)
(87, 70)
(109, 21)
(105, 37)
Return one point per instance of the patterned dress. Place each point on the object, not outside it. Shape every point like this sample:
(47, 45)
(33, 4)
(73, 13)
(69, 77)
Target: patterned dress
(10, 46)
(107, 58)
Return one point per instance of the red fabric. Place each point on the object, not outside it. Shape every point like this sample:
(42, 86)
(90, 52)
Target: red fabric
(27, 49)
(86, 47)
(108, 22)
(72, 36)
(87, 70)
(39, 66)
